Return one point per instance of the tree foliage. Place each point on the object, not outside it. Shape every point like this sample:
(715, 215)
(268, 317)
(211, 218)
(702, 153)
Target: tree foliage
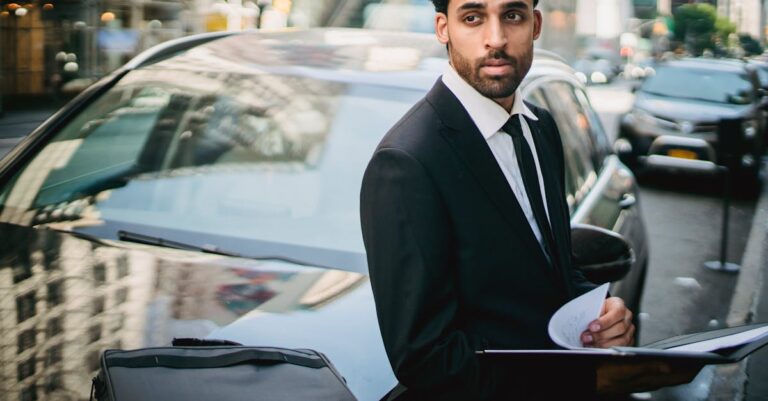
(724, 28)
(750, 45)
(696, 25)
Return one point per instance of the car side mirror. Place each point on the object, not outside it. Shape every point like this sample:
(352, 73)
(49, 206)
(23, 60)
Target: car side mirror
(602, 256)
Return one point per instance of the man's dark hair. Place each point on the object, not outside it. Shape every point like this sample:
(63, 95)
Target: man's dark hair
(441, 6)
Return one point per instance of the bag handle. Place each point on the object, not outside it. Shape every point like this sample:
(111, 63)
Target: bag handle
(201, 342)
(201, 362)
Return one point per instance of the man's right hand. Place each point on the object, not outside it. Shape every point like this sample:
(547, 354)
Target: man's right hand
(627, 377)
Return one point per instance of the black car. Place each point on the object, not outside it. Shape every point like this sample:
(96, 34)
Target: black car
(210, 188)
(677, 111)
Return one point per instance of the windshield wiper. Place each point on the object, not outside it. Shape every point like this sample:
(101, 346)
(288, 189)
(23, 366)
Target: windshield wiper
(129, 236)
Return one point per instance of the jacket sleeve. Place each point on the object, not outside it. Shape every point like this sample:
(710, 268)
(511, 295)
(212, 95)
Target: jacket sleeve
(580, 284)
(408, 240)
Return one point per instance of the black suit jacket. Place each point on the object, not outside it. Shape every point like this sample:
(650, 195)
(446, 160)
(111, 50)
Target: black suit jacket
(454, 265)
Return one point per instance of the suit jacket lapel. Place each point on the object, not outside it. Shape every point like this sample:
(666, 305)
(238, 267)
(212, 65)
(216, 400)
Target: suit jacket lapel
(468, 143)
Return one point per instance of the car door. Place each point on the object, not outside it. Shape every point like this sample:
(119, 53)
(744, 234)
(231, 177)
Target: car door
(599, 189)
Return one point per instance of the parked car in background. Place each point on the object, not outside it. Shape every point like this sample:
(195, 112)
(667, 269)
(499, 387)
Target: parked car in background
(641, 69)
(210, 188)
(677, 110)
(594, 71)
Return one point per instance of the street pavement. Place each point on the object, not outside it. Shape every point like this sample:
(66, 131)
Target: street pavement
(682, 215)
(756, 381)
(749, 379)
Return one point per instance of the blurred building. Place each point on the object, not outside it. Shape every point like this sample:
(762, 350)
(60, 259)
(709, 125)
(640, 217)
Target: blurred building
(52, 47)
(746, 14)
(599, 27)
(58, 47)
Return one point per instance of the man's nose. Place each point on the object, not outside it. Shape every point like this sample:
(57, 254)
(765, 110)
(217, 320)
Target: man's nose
(495, 37)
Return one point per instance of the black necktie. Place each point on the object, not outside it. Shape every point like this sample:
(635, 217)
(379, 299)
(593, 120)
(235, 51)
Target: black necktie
(531, 181)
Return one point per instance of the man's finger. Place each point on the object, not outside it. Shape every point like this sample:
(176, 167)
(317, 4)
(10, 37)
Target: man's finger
(620, 341)
(617, 330)
(614, 312)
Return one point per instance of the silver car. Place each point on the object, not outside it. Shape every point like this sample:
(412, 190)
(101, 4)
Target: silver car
(210, 188)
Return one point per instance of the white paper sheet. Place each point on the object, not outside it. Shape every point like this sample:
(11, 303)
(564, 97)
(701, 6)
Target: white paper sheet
(724, 342)
(567, 324)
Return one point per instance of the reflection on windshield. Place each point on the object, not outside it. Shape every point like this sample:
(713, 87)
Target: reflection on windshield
(700, 84)
(253, 156)
(65, 300)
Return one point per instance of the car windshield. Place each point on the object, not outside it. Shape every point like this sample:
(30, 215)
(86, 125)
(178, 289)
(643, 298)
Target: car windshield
(700, 84)
(246, 157)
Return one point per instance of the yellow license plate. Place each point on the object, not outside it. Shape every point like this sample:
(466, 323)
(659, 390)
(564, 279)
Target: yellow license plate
(682, 154)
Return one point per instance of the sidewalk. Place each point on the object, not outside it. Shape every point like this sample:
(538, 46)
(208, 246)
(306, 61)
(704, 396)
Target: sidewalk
(756, 388)
(748, 380)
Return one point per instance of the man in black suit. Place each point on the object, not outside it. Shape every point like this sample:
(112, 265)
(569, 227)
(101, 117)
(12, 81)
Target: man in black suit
(466, 225)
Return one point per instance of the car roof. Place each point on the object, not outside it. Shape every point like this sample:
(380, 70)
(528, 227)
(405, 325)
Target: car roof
(730, 65)
(398, 59)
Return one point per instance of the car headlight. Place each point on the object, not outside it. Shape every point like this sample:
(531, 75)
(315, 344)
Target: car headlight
(649, 72)
(749, 127)
(598, 77)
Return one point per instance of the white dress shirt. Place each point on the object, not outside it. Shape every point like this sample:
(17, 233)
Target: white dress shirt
(490, 117)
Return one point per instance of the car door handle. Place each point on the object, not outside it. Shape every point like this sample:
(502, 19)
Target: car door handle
(627, 201)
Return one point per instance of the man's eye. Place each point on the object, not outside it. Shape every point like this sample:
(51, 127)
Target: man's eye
(471, 18)
(514, 17)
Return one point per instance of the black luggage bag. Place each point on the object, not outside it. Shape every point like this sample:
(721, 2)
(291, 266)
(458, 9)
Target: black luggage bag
(218, 373)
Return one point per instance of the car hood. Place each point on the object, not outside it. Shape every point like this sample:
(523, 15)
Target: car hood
(67, 298)
(676, 109)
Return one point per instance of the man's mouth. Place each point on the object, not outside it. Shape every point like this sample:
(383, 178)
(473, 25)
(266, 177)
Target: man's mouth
(496, 62)
(496, 67)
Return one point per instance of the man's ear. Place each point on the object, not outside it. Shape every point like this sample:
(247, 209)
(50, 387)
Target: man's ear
(536, 24)
(441, 28)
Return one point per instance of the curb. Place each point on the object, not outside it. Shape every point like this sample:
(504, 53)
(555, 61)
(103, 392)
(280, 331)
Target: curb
(731, 379)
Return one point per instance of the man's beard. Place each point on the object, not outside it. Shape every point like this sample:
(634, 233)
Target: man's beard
(494, 87)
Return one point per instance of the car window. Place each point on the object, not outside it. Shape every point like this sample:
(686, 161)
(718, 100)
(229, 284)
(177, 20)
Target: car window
(601, 143)
(700, 84)
(578, 147)
(254, 157)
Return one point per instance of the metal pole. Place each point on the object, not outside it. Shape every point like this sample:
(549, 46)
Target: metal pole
(729, 148)
(726, 208)
(722, 264)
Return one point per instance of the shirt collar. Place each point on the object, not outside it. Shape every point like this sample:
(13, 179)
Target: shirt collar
(487, 115)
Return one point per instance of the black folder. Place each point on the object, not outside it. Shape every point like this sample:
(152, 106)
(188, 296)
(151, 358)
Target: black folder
(657, 351)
